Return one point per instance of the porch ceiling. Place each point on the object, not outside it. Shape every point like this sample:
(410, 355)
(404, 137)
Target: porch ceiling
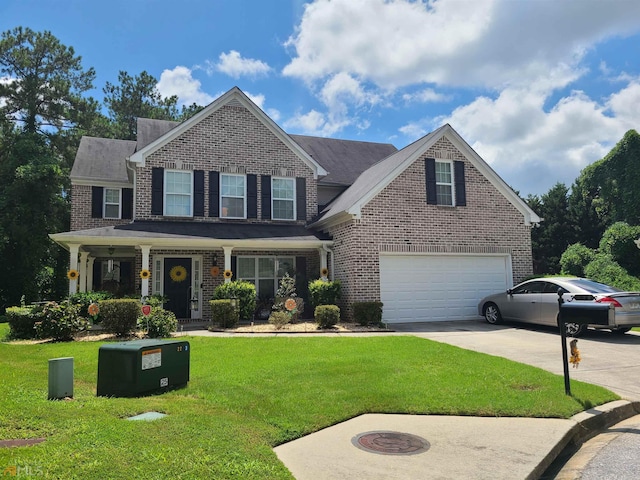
(197, 235)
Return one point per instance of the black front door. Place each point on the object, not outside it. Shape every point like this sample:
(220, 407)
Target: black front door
(177, 283)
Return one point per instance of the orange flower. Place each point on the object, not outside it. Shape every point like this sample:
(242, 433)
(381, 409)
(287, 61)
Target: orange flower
(290, 304)
(214, 271)
(93, 309)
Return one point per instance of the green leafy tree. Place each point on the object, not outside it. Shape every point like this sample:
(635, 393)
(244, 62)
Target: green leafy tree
(46, 81)
(619, 242)
(135, 97)
(575, 259)
(550, 239)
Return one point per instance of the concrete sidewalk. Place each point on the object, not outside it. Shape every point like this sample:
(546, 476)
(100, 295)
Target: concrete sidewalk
(458, 447)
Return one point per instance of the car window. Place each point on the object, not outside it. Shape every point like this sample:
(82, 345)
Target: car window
(530, 287)
(553, 288)
(591, 286)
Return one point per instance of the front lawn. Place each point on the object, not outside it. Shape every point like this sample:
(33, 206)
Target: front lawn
(247, 395)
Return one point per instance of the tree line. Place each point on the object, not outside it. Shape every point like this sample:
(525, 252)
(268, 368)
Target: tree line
(44, 111)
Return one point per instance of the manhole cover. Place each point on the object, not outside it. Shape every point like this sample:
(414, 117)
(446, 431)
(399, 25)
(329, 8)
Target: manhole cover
(390, 443)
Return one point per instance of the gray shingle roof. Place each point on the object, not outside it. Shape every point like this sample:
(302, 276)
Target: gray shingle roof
(343, 159)
(149, 130)
(102, 160)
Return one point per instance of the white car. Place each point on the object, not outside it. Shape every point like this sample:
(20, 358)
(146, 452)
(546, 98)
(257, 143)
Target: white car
(536, 301)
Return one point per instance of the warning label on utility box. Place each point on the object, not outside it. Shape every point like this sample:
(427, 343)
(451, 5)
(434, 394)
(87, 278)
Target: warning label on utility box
(151, 359)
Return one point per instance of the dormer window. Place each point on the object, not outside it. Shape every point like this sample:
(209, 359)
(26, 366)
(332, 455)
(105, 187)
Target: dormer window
(233, 194)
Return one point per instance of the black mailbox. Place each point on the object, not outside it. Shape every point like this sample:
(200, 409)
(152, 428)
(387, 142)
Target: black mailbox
(587, 313)
(141, 367)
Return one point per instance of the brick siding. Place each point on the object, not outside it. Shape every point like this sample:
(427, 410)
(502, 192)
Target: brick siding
(81, 211)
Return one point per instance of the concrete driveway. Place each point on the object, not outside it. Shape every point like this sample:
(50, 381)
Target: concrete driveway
(612, 361)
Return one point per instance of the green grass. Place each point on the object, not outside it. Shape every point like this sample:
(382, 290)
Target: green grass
(247, 395)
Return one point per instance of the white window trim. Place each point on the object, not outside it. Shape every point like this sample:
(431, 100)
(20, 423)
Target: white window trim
(104, 203)
(244, 197)
(165, 193)
(452, 184)
(273, 217)
(256, 268)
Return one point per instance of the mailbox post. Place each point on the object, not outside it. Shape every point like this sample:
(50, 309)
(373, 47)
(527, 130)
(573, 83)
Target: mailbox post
(581, 313)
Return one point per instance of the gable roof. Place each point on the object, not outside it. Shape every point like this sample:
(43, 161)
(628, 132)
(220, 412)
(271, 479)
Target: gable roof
(373, 180)
(148, 130)
(101, 161)
(235, 96)
(345, 160)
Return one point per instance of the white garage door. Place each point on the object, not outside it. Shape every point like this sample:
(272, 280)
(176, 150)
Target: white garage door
(420, 288)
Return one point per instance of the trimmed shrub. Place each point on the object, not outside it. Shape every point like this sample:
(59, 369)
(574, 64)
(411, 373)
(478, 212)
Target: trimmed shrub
(120, 315)
(279, 319)
(245, 292)
(368, 313)
(61, 321)
(605, 269)
(223, 314)
(324, 293)
(327, 315)
(22, 321)
(575, 259)
(84, 299)
(160, 323)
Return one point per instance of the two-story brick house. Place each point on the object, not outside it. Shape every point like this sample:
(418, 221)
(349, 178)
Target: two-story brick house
(428, 229)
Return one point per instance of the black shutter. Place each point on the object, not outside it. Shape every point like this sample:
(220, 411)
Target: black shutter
(266, 196)
(97, 275)
(198, 193)
(127, 203)
(97, 196)
(301, 198)
(214, 194)
(430, 175)
(157, 190)
(458, 177)
(252, 196)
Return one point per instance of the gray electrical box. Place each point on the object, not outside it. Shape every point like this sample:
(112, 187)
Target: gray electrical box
(139, 367)
(60, 378)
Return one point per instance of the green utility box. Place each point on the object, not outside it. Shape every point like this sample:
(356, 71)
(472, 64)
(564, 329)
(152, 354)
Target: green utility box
(139, 367)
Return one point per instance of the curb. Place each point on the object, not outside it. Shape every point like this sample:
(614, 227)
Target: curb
(587, 425)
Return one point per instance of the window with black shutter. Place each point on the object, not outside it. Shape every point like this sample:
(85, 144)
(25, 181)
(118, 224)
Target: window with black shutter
(97, 196)
(157, 189)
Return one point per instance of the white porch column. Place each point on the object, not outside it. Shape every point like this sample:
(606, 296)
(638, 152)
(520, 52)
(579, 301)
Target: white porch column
(83, 271)
(146, 249)
(227, 261)
(90, 263)
(323, 261)
(74, 248)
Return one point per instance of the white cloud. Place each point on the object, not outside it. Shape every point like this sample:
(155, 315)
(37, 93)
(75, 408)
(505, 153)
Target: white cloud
(428, 95)
(235, 66)
(180, 82)
(491, 43)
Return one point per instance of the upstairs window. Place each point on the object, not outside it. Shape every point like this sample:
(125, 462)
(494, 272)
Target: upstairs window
(233, 194)
(178, 193)
(444, 183)
(283, 198)
(112, 203)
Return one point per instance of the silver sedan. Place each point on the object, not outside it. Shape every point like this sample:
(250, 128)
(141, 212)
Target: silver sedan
(536, 301)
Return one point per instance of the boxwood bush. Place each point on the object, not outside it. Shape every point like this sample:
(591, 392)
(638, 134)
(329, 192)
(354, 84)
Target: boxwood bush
(327, 315)
(119, 315)
(245, 292)
(323, 292)
(223, 314)
(22, 321)
(368, 313)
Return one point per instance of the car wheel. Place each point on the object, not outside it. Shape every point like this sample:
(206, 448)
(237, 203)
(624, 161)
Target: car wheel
(621, 330)
(575, 329)
(492, 314)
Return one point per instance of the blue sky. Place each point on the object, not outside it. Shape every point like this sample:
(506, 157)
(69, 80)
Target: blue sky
(539, 88)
